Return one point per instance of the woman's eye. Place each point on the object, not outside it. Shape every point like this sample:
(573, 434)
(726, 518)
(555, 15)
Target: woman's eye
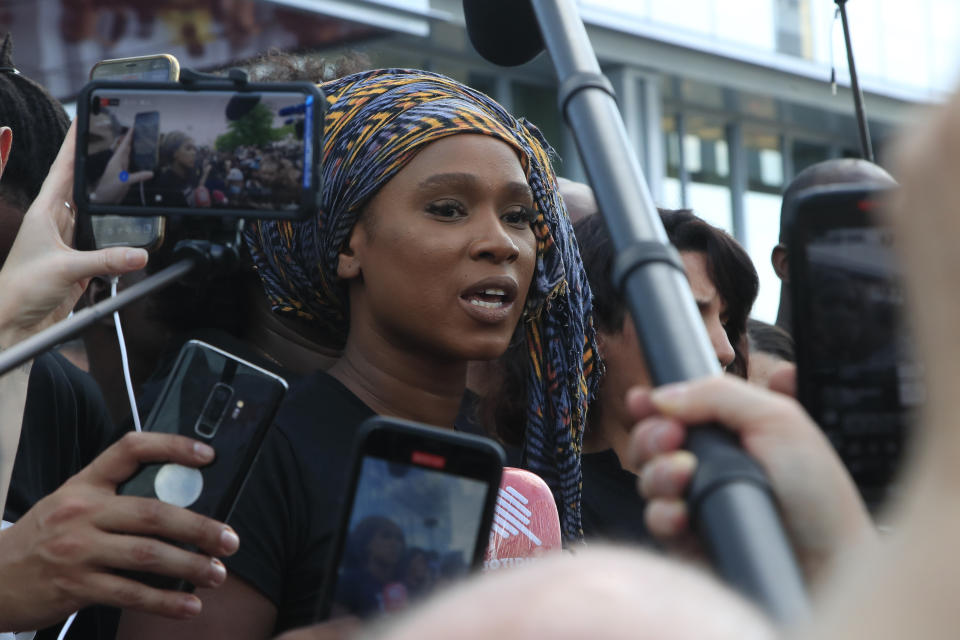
(446, 209)
(521, 217)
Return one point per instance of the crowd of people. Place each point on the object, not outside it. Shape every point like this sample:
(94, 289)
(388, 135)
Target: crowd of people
(448, 277)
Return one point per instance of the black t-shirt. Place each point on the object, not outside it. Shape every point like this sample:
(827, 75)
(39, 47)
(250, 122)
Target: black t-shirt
(288, 512)
(65, 426)
(612, 508)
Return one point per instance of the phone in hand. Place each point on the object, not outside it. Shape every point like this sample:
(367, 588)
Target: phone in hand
(122, 231)
(857, 375)
(225, 149)
(219, 399)
(418, 513)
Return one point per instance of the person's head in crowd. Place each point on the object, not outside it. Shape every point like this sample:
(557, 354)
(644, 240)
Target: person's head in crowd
(234, 183)
(36, 126)
(416, 572)
(442, 239)
(602, 592)
(178, 153)
(828, 172)
(770, 346)
(724, 285)
(578, 198)
(376, 545)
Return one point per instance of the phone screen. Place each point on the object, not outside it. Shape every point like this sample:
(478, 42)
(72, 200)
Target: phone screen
(411, 529)
(146, 138)
(221, 151)
(857, 373)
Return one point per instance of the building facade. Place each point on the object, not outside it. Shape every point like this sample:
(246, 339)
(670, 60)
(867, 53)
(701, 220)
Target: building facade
(724, 101)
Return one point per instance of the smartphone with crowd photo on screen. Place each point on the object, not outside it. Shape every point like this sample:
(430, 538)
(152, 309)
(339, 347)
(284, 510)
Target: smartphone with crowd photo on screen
(114, 231)
(857, 374)
(226, 149)
(212, 396)
(418, 513)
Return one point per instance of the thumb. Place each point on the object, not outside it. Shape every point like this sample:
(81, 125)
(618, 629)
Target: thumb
(81, 265)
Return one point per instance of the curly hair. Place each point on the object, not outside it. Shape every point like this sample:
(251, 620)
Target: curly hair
(39, 126)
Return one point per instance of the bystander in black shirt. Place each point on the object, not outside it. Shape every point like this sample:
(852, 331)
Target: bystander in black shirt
(612, 508)
(65, 426)
(288, 512)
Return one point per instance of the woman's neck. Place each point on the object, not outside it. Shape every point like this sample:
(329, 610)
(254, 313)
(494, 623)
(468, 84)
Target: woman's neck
(402, 384)
(289, 343)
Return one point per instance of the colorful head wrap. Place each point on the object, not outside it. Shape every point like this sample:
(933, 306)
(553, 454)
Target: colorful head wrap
(376, 123)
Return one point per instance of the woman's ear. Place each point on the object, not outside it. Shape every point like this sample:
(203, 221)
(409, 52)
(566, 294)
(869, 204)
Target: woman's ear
(348, 264)
(6, 141)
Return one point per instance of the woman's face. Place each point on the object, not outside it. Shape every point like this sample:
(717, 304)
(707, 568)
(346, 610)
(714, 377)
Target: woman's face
(623, 355)
(186, 154)
(444, 254)
(713, 309)
(386, 546)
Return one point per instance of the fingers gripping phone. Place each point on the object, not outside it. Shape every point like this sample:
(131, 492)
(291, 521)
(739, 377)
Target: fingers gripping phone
(418, 513)
(116, 231)
(219, 399)
(856, 371)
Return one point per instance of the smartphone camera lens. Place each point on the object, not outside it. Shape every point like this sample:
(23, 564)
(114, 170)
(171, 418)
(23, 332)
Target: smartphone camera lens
(213, 410)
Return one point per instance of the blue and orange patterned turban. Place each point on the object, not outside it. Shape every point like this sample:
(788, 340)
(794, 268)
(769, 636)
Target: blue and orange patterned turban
(376, 122)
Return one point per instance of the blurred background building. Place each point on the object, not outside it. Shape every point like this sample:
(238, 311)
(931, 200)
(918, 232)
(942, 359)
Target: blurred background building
(724, 100)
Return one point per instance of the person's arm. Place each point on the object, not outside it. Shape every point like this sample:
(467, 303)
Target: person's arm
(63, 554)
(822, 510)
(908, 589)
(40, 282)
(233, 610)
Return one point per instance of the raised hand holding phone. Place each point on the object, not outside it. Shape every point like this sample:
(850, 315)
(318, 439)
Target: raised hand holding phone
(63, 554)
(224, 402)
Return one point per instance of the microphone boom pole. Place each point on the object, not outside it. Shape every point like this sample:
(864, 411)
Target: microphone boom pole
(866, 146)
(729, 498)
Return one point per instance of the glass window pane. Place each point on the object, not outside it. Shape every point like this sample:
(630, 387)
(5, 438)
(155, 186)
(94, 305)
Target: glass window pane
(712, 203)
(761, 212)
(764, 159)
(807, 153)
(672, 198)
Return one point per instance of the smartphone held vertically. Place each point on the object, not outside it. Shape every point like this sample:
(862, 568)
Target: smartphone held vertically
(212, 396)
(856, 371)
(418, 513)
(212, 147)
(117, 231)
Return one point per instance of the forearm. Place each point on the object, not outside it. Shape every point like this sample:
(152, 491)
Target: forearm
(13, 398)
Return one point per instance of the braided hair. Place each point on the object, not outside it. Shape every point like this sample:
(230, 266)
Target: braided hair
(39, 126)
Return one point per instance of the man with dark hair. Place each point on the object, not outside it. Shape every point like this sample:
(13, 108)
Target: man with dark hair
(828, 172)
(724, 284)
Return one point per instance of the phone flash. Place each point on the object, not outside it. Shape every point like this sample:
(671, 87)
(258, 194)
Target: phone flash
(236, 411)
